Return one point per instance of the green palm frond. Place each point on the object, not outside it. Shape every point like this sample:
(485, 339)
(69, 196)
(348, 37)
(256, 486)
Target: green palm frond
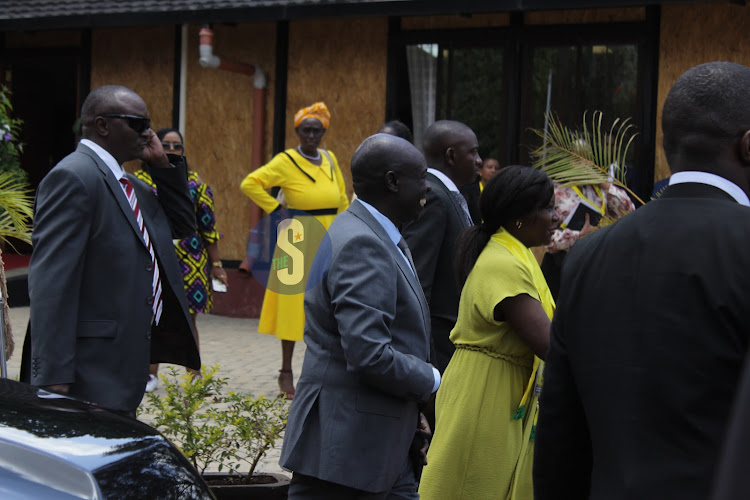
(579, 157)
(16, 208)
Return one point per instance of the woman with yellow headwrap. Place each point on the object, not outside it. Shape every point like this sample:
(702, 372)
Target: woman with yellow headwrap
(311, 181)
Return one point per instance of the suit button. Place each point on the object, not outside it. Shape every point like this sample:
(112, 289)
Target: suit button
(150, 267)
(150, 300)
(148, 335)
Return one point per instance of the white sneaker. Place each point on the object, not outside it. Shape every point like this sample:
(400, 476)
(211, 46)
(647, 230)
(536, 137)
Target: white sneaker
(152, 384)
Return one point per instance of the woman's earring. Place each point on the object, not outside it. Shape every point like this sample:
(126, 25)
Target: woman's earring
(519, 224)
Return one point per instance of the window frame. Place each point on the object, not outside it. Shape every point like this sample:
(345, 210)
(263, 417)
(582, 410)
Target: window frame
(517, 41)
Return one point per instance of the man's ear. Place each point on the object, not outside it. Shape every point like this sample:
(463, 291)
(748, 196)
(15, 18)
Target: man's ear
(391, 181)
(745, 148)
(101, 126)
(450, 156)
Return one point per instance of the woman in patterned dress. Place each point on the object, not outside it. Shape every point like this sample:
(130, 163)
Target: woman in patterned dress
(602, 200)
(198, 254)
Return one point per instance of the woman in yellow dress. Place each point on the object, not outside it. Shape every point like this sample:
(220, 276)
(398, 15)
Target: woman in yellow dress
(486, 406)
(311, 181)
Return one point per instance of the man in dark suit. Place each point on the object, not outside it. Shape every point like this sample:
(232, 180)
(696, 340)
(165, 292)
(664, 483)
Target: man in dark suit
(651, 329)
(366, 370)
(452, 154)
(94, 291)
(732, 480)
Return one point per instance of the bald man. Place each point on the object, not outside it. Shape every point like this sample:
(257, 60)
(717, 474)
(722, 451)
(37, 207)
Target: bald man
(651, 328)
(355, 414)
(106, 293)
(452, 154)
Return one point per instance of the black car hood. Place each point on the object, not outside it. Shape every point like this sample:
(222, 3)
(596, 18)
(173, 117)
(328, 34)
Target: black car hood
(75, 431)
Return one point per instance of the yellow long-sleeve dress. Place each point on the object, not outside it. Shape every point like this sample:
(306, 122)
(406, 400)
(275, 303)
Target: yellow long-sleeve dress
(309, 187)
(486, 406)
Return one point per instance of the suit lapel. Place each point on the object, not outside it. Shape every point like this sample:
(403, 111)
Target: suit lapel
(459, 211)
(361, 212)
(116, 190)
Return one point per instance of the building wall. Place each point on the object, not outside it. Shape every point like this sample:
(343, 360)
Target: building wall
(343, 63)
(691, 35)
(140, 58)
(219, 122)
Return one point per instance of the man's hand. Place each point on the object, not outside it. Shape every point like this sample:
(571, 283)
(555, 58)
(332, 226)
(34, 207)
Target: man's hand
(153, 152)
(587, 228)
(419, 445)
(423, 436)
(58, 388)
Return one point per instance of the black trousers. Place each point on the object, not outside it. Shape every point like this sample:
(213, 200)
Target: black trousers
(304, 487)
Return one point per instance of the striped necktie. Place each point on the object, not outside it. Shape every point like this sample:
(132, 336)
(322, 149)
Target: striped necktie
(156, 305)
(464, 207)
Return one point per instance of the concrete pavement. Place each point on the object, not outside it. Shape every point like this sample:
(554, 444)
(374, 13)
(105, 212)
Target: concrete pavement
(249, 360)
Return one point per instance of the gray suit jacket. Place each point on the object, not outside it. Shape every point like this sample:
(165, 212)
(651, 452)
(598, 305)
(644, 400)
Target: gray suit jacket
(355, 411)
(90, 281)
(432, 241)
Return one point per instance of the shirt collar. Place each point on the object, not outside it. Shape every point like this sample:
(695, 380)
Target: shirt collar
(444, 179)
(714, 180)
(390, 227)
(107, 158)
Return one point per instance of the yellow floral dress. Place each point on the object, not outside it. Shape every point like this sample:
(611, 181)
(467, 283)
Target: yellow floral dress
(306, 187)
(487, 404)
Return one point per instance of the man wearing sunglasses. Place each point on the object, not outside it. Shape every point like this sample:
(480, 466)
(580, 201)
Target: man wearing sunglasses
(106, 292)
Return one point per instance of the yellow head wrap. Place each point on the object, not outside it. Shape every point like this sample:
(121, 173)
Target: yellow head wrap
(318, 111)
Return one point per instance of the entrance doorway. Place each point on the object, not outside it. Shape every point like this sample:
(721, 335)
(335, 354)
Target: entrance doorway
(45, 95)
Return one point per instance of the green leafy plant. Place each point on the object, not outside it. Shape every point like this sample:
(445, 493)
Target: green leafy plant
(16, 201)
(232, 430)
(574, 157)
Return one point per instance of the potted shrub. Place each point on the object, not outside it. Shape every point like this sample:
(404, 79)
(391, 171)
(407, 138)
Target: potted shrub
(230, 432)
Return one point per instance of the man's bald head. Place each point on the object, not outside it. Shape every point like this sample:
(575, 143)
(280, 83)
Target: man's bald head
(706, 112)
(452, 148)
(390, 174)
(377, 155)
(103, 100)
(440, 136)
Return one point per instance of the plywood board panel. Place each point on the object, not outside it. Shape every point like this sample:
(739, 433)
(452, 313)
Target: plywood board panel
(694, 34)
(343, 63)
(219, 123)
(140, 58)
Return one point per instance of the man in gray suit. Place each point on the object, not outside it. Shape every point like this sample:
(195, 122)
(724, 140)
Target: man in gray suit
(452, 153)
(94, 291)
(365, 373)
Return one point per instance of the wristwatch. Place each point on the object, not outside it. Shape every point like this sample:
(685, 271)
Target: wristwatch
(216, 264)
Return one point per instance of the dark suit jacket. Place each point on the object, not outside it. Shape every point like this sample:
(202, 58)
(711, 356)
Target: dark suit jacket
(90, 281)
(355, 411)
(472, 192)
(648, 341)
(732, 480)
(432, 241)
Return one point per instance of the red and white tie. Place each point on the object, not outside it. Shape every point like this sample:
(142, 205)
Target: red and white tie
(156, 306)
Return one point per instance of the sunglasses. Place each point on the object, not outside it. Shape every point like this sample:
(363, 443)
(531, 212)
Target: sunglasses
(177, 146)
(137, 123)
